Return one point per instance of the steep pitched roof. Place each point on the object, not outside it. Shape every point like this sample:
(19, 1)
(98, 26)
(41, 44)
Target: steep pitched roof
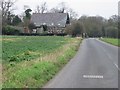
(50, 19)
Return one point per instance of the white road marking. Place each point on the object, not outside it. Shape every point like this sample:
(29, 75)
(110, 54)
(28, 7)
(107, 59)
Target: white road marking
(109, 55)
(117, 66)
(93, 76)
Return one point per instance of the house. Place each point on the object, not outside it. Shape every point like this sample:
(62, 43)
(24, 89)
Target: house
(54, 23)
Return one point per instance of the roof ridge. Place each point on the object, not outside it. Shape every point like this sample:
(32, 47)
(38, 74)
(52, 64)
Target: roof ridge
(49, 13)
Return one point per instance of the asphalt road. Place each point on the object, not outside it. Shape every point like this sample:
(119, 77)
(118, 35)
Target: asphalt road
(94, 66)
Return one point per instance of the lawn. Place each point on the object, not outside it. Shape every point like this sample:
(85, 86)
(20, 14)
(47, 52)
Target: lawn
(112, 41)
(31, 61)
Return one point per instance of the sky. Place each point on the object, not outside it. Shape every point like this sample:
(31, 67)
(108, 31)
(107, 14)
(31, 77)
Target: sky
(105, 8)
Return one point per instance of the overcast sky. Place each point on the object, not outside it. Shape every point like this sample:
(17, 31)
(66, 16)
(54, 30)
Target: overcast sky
(105, 8)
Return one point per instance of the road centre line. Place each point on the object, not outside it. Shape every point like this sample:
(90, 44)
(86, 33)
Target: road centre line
(93, 76)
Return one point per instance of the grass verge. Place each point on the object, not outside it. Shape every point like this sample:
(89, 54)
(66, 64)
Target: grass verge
(36, 73)
(112, 41)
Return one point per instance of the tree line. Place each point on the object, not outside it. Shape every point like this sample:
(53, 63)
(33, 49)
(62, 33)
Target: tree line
(95, 26)
(88, 26)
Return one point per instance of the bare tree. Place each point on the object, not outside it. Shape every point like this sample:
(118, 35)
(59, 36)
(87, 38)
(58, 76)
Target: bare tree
(72, 13)
(62, 7)
(7, 8)
(42, 8)
(38, 9)
(54, 10)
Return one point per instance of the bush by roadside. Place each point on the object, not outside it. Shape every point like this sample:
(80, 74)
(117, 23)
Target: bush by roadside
(8, 30)
(75, 29)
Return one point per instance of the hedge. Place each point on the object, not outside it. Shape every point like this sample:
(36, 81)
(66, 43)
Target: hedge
(8, 30)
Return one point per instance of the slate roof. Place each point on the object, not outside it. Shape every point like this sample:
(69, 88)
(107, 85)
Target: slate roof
(49, 19)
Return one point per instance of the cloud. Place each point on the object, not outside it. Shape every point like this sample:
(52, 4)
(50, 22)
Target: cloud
(104, 8)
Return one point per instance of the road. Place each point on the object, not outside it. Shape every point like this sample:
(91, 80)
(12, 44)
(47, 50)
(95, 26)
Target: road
(94, 66)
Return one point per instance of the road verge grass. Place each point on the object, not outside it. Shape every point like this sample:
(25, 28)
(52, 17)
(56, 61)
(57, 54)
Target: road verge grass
(0, 63)
(112, 41)
(36, 73)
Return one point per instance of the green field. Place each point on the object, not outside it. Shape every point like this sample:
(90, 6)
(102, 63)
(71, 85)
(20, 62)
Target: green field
(112, 41)
(27, 48)
(31, 61)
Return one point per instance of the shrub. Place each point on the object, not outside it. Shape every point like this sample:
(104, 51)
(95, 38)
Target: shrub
(31, 26)
(75, 29)
(9, 30)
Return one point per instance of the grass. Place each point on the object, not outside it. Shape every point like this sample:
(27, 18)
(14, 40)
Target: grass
(0, 63)
(27, 48)
(112, 41)
(37, 71)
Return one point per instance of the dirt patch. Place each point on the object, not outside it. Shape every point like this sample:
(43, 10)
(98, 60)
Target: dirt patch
(9, 39)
